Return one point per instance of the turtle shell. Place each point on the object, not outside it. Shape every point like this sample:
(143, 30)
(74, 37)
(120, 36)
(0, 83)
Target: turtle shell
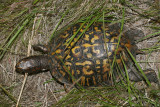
(89, 57)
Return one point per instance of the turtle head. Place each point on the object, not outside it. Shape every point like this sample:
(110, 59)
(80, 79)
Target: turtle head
(33, 64)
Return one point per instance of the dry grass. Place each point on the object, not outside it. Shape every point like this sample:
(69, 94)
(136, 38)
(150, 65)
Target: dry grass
(46, 19)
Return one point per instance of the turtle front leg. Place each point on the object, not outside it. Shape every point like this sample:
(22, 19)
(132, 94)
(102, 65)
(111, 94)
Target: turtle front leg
(41, 48)
(33, 64)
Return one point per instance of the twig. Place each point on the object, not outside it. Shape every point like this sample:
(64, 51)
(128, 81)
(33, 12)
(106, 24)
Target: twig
(24, 81)
(28, 53)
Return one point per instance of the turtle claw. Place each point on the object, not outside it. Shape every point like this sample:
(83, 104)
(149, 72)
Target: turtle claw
(149, 73)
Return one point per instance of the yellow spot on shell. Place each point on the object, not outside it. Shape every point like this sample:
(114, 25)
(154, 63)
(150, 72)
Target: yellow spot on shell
(58, 51)
(67, 68)
(113, 39)
(65, 32)
(74, 28)
(106, 40)
(74, 32)
(98, 62)
(128, 45)
(106, 65)
(94, 80)
(105, 61)
(94, 38)
(105, 77)
(52, 53)
(120, 49)
(86, 37)
(112, 47)
(122, 43)
(68, 63)
(109, 54)
(73, 72)
(65, 43)
(96, 51)
(98, 71)
(74, 51)
(98, 67)
(97, 30)
(60, 57)
(82, 80)
(87, 45)
(84, 63)
(106, 28)
(106, 68)
(64, 36)
(87, 81)
(58, 46)
(81, 24)
(111, 33)
(107, 34)
(89, 55)
(68, 56)
(99, 78)
(118, 61)
(78, 71)
(86, 69)
(90, 33)
(63, 73)
(85, 50)
(81, 30)
(86, 72)
(72, 43)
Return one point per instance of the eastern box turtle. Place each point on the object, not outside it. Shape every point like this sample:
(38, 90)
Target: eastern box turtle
(91, 59)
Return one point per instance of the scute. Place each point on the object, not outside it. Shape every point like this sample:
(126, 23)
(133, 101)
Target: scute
(88, 61)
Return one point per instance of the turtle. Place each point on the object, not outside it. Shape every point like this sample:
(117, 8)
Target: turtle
(97, 55)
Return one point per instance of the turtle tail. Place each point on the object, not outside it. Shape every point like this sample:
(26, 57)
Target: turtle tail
(33, 64)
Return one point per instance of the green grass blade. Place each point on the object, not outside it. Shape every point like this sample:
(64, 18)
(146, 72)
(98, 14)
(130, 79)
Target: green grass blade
(10, 42)
(138, 66)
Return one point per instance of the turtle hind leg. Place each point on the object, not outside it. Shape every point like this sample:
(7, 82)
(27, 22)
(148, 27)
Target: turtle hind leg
(149, 73)
(139, 52)
(41, 48)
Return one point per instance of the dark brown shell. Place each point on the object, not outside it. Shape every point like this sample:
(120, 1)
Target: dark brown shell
(89, 59)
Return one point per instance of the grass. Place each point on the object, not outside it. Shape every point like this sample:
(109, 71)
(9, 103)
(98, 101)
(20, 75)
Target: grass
(50, 19)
